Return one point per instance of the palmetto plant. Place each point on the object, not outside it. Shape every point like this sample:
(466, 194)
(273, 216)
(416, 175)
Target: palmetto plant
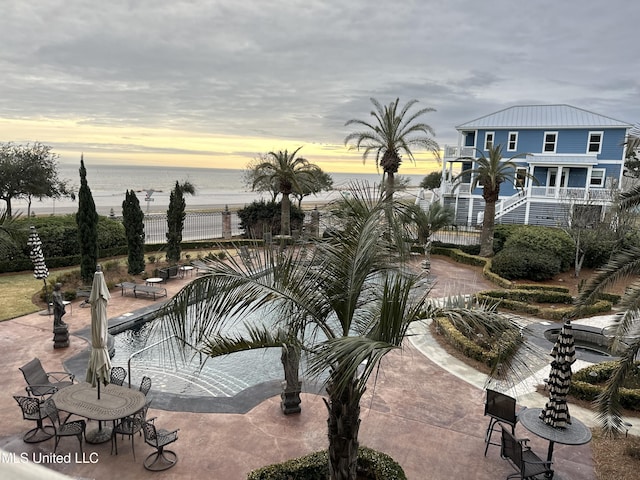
(489, 172)
(622, 264)
(345, 302)
(393, 132)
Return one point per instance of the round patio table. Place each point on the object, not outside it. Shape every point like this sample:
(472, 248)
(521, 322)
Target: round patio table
(115, 402)
(575, 433)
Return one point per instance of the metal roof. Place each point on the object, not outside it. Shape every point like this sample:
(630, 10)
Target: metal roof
(543, 116)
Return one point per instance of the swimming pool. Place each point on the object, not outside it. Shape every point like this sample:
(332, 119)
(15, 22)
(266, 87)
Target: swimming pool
(224, 376)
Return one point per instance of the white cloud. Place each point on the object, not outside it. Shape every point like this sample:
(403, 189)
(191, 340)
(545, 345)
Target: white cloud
(297, 70)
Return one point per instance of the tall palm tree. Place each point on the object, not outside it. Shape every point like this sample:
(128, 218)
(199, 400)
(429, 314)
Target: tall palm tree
(392, 133)
(289, 174)
(489, 172)
(622, 264)
(347, 307)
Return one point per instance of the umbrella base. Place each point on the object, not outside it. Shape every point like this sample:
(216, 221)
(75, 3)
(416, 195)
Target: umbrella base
(101, 434)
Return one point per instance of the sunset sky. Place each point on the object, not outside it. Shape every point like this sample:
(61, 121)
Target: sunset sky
(209, 83)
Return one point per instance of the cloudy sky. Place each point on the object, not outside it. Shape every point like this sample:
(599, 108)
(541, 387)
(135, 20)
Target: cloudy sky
(215, 82)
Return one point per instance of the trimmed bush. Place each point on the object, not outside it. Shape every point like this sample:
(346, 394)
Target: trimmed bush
(583, 384)
(59, 236)
(517, 262)
(501, 349)
(260, 216)
(372, 465)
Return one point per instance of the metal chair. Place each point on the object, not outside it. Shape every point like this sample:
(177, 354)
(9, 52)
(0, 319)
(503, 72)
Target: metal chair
(118, 374)
(145, 385)
(41, 383)
(129, 426)
(502, 409)
(75, 428)
(523, 459)
(161, 459)
(33, 409)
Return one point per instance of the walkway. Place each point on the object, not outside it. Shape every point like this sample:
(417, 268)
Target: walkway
(425, 410)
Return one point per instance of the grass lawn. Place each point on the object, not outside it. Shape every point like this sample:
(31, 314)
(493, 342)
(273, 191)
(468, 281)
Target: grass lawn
(16, 291)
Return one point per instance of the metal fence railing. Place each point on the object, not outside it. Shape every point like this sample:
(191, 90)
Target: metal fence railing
(209, 226)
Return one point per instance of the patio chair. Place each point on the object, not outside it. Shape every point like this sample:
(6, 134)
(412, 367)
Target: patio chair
(129, 426)
(74, 428)
(502, 410)
(41, 383)
(33, 409)
(161, 459)
(522, 458)
(118, 374)
(145, 385)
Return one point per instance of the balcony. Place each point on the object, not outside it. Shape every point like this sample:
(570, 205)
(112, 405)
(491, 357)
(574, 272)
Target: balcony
(452, 152)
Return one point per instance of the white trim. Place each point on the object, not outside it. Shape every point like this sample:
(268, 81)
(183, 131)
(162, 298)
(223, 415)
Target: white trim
(515, 142)
(544, 142)
(486, 140)
(589, 142)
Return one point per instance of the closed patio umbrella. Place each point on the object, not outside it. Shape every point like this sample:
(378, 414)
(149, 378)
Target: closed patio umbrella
(99, 369)
(556, 411)
(40, 270)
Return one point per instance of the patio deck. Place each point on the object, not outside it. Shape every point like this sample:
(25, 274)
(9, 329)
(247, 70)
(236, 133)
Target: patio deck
(428, 419)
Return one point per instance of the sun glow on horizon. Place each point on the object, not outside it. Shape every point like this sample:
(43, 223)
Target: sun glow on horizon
(133, 145)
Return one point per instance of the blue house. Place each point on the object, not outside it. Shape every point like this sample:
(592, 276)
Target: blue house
(576, 156)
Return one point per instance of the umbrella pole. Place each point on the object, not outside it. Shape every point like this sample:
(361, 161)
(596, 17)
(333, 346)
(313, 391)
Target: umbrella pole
(46, 296)
(98, 380)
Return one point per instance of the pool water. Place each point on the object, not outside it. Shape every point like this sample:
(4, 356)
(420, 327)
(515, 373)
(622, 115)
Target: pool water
(219, 377)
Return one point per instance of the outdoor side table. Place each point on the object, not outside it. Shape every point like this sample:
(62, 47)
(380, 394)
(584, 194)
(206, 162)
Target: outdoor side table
(186, 269)
(153, 280)
(115, 402)
(576, 433)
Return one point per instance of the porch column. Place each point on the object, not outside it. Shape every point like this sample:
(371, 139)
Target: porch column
(587, 185)
(558, 181)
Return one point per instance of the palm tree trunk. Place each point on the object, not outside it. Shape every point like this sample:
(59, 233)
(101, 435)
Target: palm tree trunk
(488, 225)
(343, 427)
(391, 185)
(285, 213)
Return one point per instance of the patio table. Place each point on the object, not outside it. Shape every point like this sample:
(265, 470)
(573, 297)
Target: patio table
(575, 433)
(115, 402)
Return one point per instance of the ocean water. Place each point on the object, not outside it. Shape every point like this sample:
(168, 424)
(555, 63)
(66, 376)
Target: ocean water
(215, 188)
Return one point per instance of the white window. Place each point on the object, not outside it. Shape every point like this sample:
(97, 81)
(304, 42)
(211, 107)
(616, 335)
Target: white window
(488, 140)
(520, 178)
(595, 142)
(512, 144)
(550, 139)
(597, 177)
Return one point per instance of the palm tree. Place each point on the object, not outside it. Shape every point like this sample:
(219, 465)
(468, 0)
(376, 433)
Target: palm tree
(490, 172)
(289, 174)
(346, 307)
(622, 264)
(393, 132)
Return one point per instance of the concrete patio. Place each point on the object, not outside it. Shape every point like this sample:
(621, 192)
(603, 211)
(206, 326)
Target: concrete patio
(425, 410)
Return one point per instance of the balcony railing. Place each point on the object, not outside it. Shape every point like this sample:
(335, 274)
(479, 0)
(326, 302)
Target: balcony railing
(451, 152)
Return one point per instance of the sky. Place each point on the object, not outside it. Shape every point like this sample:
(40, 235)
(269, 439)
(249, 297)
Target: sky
(212, 83)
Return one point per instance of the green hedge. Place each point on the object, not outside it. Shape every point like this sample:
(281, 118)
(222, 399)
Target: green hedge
(59, 236)
(372, 465)
(501, 349)
(508, 300)
(583, 385)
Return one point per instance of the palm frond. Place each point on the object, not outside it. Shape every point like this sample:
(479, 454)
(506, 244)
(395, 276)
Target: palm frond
(621, 265)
